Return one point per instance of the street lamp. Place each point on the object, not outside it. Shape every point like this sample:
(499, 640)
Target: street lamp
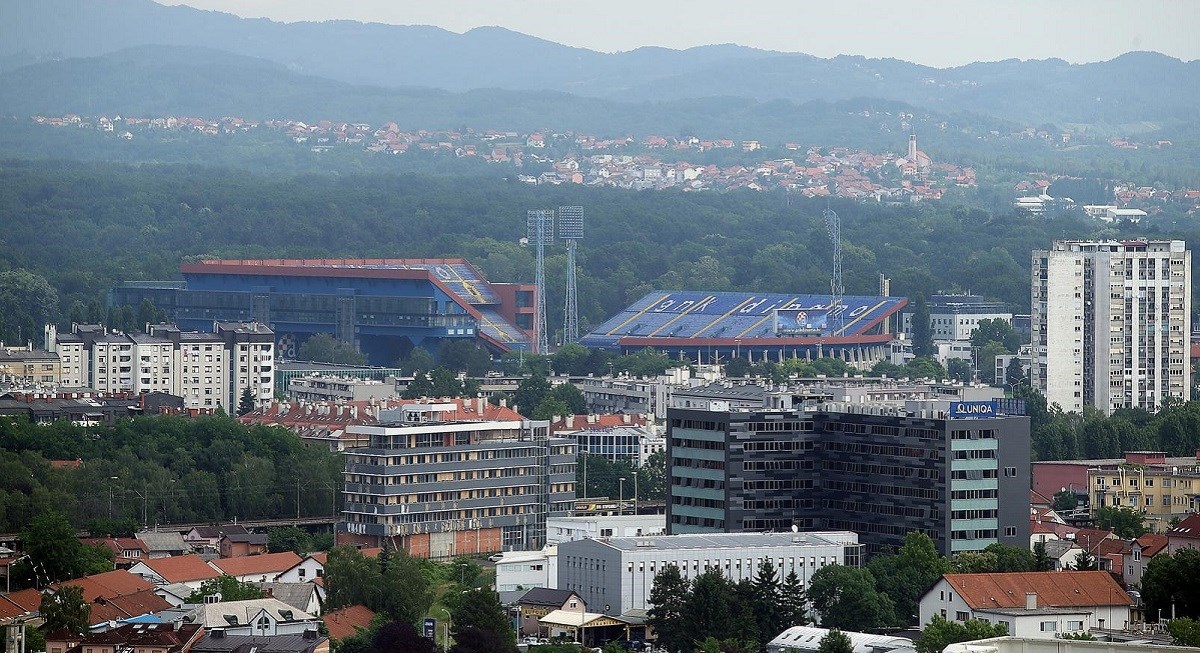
(462, 570)
(635, 490)
(446, 629)
(621, 497)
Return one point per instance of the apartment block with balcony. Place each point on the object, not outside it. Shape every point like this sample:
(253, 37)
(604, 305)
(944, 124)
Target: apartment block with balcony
(1159, 487)
(441, 480)
(1110, 323)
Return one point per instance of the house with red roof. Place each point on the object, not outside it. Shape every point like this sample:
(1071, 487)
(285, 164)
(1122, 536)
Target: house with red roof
(189, 570)
(347, 621)
(1184, 535)
(1140, 552)
(1035, 605)
(256, 568)
(125, 550)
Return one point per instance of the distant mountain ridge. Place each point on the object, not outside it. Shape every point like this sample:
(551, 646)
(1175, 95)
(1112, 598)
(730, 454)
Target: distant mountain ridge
(1135, 87)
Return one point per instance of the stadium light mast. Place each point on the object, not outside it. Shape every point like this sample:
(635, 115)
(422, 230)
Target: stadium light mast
(570, 229)
(833, 224)
(540, 231)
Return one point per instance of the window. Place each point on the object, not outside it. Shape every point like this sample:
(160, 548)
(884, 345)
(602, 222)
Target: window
(961, 616)
(1010, 531)
(1010, 472)
(1074, 625)
(1049, 626)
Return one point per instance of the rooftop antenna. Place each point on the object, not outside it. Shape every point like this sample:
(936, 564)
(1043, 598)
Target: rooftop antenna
(833, 224)
(570, 229)
(540, 230)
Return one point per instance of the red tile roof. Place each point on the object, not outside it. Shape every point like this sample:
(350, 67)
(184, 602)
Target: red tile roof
(110, 584)
(1152, 543)
(267, 564)
(182, 569)
(1188, 528)
(347, 621)
(1055, 589)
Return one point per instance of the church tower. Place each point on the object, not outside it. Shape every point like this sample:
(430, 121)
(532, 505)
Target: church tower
(912, 147)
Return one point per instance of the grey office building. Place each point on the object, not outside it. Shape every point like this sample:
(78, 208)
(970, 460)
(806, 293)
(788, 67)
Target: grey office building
(959, 474)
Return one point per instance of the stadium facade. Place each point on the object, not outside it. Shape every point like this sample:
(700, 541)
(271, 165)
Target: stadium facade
(710, 327)
(385, 306)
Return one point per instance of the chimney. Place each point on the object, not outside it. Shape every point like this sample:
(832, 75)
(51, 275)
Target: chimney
(1031, 601)
(271, 594)
(480, 405)
(570, 421)
(626, 418)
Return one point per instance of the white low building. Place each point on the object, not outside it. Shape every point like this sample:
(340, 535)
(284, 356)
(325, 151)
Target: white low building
(614, 575)
(1042, 645)
(808, 638)
(523, 570)
(1039, 605)
(569, 529)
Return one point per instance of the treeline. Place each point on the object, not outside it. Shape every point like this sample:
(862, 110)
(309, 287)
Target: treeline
(161, 470)
(83, 228)
(1056, 435)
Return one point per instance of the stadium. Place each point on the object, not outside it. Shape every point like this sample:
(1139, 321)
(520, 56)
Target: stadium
(704, 327)
(385, 306)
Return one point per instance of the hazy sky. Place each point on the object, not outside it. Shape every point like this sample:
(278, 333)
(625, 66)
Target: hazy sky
(933, 32)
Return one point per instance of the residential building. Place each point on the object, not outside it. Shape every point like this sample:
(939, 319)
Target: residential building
(1037, 604)
(189, 570)
(258, 617)
(233, 545)
(1159, 487)
(335, 388)
(310, 641)
(209, 370)
(454, 478)
(125, 550)
(26, 365)
(1140, 552)
(1133, 642)
(569, 529)
(1184, 535)
(1110, 323)
(162, 544)
(347, 621)
(209, 537)
(306, 597)
(256, 568)
(614, 575)
(138, 637)
(541, 601)
(957, 471)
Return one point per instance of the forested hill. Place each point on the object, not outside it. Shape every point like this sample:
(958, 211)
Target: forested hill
(152, 81)
(86, 227)
(1132, 88)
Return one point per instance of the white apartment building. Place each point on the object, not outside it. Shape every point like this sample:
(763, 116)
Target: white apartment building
(206, 369)
(614, 575)
(1110, 323)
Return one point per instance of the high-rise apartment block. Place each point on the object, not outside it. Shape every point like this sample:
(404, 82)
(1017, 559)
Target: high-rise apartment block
(446, 479)
(1111, 322)
(208, 370)
(958, 473)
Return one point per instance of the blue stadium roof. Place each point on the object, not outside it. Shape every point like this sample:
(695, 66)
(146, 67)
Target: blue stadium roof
(705, 316)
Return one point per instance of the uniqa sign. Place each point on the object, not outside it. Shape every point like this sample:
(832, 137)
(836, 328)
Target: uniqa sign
(960, 409)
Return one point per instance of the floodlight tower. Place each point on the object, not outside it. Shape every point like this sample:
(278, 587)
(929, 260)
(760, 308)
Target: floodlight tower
(570, 229)
(833, 224)
(540, 231)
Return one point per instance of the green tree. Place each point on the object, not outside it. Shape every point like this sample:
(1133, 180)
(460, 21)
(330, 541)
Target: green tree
(1184, 631)
(1085, 561)
(398, 637)
(57, 554)
(1065, 501)
(846, 598)
(228, 588)
(1041, 559)
(65, 609)
(324, 348)
(905, 575)
(1126, 523)
(571, 397)
(668, 602)
(766, 601)
(922, 328)
(550, 408)
(289, 538)
(531, 392)
(245, 402)
(986, 357)
(405, 594)
(793, 608)
(1171, 585)
(27, 303)
(959, 369)
(835, 641)
(973, 562)
(1011, 558)
(924, 367)
(1014, 374)
(461, 355)
(478, 617)
(350, 578)
(708, 612)
(418, 360)
(996, 330)
(940, 633)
